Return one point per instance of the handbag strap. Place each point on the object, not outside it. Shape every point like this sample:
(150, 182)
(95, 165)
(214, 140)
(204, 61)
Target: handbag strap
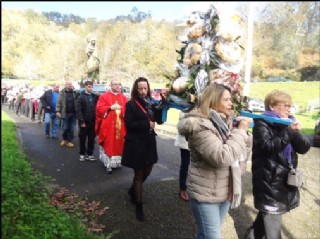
(143, 109)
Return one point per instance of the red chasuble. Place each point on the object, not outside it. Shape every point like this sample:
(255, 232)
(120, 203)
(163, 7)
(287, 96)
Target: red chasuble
(110, 126)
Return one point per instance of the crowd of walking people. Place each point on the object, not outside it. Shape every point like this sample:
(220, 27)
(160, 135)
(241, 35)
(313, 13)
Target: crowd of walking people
(215, 147)
(24, 100)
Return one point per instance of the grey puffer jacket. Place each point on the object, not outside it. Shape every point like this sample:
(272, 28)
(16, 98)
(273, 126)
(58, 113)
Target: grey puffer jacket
(211, 158)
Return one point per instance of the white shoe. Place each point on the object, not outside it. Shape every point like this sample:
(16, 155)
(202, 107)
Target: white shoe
(91, 158)
(82, 158)
(109, 170)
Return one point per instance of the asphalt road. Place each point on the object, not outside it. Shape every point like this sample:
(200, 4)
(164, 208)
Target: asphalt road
(86, 178)
(166, 215)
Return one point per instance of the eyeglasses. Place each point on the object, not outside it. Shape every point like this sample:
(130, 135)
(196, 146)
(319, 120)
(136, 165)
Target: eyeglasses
(285, 106)
(115, 84)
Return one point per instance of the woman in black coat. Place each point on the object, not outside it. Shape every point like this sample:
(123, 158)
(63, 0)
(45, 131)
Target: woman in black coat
(140, 147)
(275, 148)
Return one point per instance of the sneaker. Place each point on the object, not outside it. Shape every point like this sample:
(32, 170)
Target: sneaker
(109, 170)
(82, 158)
(70, 145)
(47, 136)
(91, 158)
(55, 137)
(63, 143)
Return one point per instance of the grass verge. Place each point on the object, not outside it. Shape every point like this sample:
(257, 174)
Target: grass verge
(25, 207)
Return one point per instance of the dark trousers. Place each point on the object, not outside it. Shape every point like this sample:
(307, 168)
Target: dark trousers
(40, 112)
(23, 107)
(18, 107)
(31, 109)
(184, 165)
(69, 125)
(11, 104)
(3, 99)
(267, 226)
(86, 135)
(27, 108)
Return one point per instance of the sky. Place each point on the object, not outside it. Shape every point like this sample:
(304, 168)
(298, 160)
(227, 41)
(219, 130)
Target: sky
(168, 10)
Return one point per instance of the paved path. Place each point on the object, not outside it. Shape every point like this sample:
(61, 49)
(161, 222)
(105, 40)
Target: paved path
(86, 178)
(167, 217)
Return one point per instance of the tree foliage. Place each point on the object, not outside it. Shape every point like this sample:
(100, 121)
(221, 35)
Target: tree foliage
(135, 16)
(282, 33)
(52, 45)
(63, 19)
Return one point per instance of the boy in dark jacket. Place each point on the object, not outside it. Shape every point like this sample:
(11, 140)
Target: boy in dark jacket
(86, 115)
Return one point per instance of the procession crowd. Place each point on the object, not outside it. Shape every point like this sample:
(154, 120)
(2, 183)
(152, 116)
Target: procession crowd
(215, 147)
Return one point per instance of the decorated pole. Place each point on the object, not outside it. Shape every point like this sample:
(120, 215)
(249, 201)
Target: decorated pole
(212, 53)
(249, 51)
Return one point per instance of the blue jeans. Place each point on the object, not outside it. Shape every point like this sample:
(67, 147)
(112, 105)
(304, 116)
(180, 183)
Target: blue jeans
(51, 118)
(209, 218)
(69, 125)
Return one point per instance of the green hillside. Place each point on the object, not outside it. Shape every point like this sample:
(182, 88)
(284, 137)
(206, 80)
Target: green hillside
(301, 92)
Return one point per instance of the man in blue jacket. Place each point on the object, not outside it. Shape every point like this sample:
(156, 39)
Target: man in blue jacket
(49, 102)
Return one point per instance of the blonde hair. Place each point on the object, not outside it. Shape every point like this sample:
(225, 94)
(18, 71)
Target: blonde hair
(210, 98)
(275, 97)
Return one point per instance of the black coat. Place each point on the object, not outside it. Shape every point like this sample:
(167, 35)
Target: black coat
(140, 147)
(270, 169)
(46, 100)
(85, 113)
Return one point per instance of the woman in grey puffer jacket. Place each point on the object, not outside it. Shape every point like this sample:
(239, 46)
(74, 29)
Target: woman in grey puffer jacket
(214, 177)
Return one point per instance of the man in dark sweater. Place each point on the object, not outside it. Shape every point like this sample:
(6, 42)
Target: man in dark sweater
(66, 109)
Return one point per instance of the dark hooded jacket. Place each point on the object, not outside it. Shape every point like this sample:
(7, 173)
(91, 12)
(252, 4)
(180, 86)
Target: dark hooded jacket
(86, 112)
(270, 167)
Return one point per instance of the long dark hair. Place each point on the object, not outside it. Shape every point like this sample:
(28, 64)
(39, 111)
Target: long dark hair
(135, 92)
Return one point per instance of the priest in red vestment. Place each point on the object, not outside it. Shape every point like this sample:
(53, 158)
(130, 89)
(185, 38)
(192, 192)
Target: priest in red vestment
(110, 126)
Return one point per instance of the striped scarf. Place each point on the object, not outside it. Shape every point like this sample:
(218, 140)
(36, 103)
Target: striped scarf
(224, 132)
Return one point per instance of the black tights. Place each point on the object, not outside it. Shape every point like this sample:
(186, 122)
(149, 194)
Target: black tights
(139, 177)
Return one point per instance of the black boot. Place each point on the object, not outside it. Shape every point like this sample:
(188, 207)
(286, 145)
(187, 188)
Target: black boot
(139, 212)
(131, 193)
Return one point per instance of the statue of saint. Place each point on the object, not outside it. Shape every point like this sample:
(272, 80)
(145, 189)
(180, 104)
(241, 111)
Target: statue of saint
(93, 59)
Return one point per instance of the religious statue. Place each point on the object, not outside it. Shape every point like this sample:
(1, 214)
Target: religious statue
(93, 59)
